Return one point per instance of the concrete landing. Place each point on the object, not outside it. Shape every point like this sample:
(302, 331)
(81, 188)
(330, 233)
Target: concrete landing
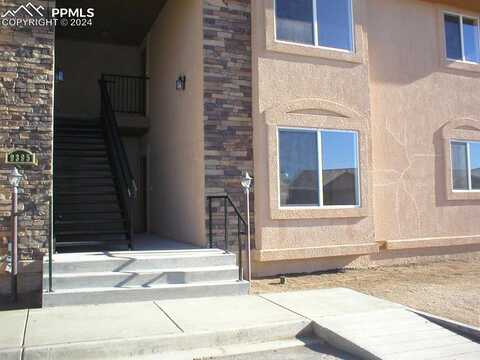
(334, 321)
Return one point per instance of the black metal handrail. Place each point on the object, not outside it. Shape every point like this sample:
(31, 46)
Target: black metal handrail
(127, 93)
(227, 200)
(118, 155)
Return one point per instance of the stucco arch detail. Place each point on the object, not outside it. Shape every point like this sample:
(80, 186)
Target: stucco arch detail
(313, 107)
(463, 129)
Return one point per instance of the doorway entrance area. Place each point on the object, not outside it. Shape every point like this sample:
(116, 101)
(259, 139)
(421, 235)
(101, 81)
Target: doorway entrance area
(129, 143)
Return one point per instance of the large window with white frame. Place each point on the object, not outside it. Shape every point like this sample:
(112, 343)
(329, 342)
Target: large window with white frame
(465, 165)
(462, 40)
(320, 23)
(318, 168)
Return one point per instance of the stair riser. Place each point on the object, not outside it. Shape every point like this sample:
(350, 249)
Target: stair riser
(148, 294)
(84, 187)
(85, 199)
(65, 161)
(114, 227)
(87, 217)
(141, 280)
(65, 208)
(129, 264)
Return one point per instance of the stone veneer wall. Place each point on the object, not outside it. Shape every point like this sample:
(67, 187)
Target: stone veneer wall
(227, 104)
(26, 103)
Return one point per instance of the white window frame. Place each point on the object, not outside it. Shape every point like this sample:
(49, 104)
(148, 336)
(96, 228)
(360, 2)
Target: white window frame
(320, 170)
(316, 45)
(469, 166)
(462, 40)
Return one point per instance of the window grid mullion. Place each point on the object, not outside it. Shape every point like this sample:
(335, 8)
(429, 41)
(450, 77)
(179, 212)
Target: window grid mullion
(315, 22)
(477, 29)
(469, 168)
(462, 39)
(357, 165)
(320, 168)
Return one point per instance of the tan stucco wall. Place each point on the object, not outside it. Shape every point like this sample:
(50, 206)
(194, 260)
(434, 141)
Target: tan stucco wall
(83, 63)
(175, 139)
(285, 75)
(413, 96)
(405, 94)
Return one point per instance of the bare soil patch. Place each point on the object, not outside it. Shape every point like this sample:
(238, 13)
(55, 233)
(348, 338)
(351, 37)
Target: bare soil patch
(449, 289)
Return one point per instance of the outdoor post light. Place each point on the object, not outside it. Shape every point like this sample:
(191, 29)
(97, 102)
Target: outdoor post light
(14, 179)
(246, 183)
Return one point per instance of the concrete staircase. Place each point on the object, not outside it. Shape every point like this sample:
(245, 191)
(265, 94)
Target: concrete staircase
(116, 277)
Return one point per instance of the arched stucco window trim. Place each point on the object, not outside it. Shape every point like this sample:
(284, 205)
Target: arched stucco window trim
(464, 129)
(317, 114)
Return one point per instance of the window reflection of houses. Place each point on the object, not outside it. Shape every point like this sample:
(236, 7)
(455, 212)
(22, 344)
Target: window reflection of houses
(302, 190)
(476, 178)
(338, 188)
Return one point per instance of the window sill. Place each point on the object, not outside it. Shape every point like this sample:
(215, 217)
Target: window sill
(314, 51)
(463, 195)
(318, 213)
(461, 65)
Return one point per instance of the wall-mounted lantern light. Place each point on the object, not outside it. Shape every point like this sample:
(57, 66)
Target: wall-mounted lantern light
(59, 75)
(181, 83)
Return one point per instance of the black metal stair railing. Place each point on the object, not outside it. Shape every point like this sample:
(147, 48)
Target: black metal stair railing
(123, 173)
(227, 201)
(127, 93)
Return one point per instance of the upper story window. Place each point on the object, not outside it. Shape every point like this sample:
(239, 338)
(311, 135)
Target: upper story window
(465, 165)
(321, 23)
(462, 38)
(318, 168)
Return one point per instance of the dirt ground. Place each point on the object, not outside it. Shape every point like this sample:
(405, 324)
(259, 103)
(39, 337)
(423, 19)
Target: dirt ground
(449, 289)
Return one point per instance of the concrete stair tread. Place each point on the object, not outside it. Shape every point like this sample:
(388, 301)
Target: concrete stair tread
(129, 294)
(140, 255)
(161, 286)
(145, 272)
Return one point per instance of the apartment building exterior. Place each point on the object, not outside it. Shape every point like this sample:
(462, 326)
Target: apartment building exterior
(359, 120)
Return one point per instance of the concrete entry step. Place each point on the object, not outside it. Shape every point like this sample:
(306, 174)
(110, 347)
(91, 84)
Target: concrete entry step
(132, 276)
(143, 278)
(138, 260)
(86, 296)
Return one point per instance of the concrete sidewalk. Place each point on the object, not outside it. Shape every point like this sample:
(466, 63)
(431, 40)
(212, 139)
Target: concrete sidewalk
(367, 327)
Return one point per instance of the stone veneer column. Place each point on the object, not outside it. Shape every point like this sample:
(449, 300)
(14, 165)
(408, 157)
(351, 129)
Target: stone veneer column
(227, 103)
(26, 103)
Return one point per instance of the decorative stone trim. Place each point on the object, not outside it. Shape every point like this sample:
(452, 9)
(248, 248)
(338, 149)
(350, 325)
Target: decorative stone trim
(26, 112)
(228, 127)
